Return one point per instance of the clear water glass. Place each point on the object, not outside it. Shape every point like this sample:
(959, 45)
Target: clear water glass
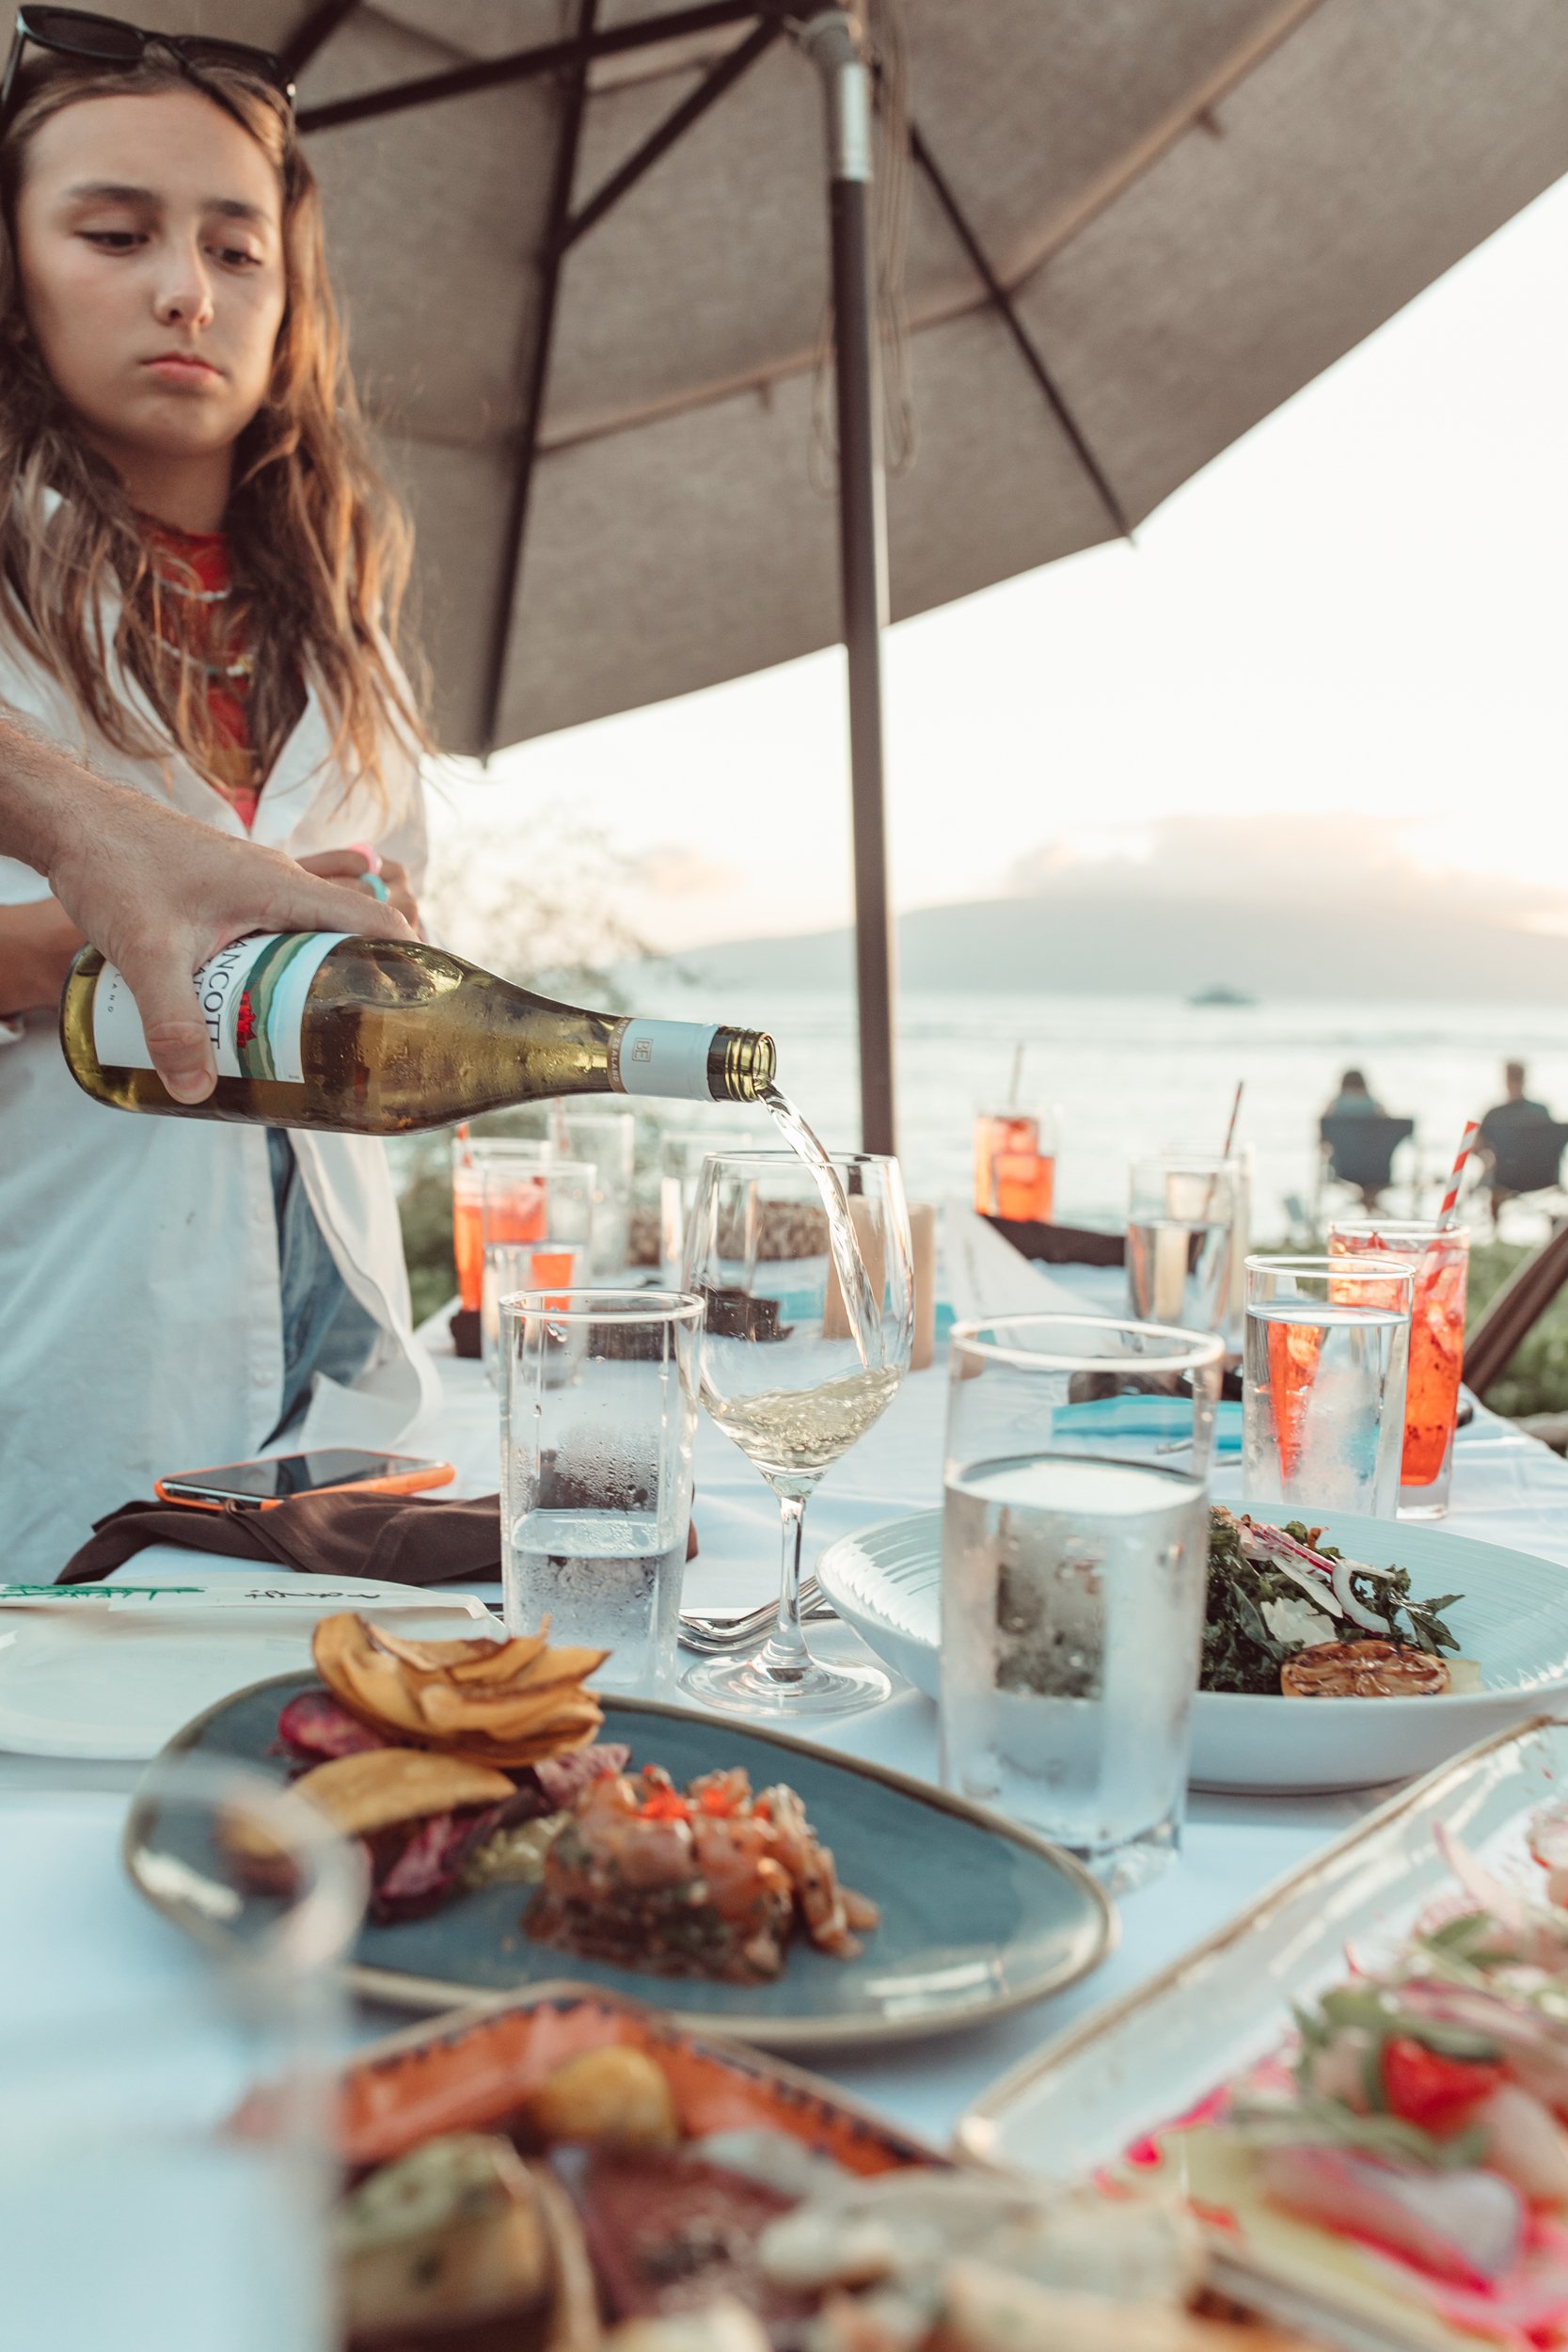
(536, 1219)
(1327, 1354)
(1439, 1258)
(599, 1418)
(681, 1154)
(607, 1140)
(1075, 1527)
(787, 1378)
(1180, 1217)
(165, 2167)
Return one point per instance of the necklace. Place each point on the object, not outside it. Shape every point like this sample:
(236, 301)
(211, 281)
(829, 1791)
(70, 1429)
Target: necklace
(243, 665)
(196, 595)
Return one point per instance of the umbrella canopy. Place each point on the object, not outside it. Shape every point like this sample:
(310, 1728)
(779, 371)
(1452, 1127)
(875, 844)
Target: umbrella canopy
(583, 246)
(1188, 207)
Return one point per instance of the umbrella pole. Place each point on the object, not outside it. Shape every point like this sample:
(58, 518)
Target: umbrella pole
(830, 40)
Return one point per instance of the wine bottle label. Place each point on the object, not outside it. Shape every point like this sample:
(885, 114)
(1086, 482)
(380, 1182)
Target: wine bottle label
(252, 998)
(663, 1057)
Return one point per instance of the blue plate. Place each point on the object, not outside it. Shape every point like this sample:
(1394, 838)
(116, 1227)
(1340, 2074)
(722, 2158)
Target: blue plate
(979, 1915)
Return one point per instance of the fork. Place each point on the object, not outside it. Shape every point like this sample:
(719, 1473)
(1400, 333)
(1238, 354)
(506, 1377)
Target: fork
(713, 1637)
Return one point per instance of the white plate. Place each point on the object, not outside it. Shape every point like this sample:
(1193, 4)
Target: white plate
(1094, 2093)
(1513, 1620)
(112, 1671)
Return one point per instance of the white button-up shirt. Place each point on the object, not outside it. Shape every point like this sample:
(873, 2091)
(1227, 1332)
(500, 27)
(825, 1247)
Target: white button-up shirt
(140, 1318)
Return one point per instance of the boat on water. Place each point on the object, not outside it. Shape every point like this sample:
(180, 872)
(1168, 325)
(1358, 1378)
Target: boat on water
(1220, 993)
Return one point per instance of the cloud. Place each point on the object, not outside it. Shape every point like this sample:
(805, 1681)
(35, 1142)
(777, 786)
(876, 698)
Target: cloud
(673, 869)
(1333, 861)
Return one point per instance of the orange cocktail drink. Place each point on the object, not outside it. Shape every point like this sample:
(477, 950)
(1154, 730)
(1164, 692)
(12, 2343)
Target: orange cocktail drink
(1440, 1261)
(516, 1203)
(1015, 1164)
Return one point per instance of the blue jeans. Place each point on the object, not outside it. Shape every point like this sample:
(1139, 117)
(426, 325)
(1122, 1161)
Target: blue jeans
(325, 1327)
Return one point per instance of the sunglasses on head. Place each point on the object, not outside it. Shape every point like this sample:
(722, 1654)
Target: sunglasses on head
(107, 40)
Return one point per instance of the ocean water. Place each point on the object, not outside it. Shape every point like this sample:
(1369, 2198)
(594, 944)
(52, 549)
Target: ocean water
(1132, 1075)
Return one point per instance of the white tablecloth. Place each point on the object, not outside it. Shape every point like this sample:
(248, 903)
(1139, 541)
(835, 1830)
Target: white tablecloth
(1506, 1490)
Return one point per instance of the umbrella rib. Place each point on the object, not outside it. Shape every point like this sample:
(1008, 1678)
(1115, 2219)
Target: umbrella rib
(713, 86)
(522, 479)
(316, 31)
(522, 65)
(958, 222)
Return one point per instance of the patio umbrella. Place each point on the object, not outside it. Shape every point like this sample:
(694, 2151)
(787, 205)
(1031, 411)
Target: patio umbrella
(585, 246)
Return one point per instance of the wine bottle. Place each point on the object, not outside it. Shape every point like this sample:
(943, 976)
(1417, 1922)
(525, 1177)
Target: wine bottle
(379, 1037)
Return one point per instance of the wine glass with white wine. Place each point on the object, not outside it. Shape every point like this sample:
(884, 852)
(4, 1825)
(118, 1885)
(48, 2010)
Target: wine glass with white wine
(795, 1364)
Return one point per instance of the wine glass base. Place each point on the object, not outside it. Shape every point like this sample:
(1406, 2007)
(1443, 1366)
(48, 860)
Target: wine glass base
(775, 1684)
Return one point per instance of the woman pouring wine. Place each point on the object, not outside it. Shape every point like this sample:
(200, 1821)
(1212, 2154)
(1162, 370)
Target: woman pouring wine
(198, 580)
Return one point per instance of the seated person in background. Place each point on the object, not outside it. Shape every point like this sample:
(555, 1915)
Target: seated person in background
(1366, 1162)
(1517, 1109)
(1500, 1128)
(1354, 1099)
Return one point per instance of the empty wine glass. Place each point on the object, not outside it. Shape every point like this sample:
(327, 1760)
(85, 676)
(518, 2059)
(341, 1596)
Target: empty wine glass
(783, 1370)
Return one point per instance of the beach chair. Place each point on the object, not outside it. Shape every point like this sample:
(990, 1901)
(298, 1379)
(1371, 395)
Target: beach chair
(1361, 1152)
(1524, 1159)
(1518, 1307)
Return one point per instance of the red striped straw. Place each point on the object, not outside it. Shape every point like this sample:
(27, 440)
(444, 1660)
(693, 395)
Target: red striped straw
(1450, 1198)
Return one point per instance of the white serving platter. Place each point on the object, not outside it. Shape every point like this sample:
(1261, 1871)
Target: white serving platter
(1099, 2090)
(112, 1671)
(886, 1582)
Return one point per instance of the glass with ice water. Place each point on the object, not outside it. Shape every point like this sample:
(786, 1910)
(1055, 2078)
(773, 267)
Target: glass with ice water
(1328, 1352)
(599, 1416)
(173, 2092)
(1075, 1529)
(1180, 1215)
(607, 1140)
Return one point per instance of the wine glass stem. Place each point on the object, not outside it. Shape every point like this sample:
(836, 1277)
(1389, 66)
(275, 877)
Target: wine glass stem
(787, 1636)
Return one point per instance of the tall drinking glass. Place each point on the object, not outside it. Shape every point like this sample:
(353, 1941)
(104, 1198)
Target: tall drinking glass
(1327, 1349)
(600, 1415)
(537, 1219)
(607, 1140)
(1075, 1545)
(166, 2174)
(681, 1154)
(1439, 1258)
(787, 1375)
(1179, 1220)
(471, 1155)
(1014, 1163)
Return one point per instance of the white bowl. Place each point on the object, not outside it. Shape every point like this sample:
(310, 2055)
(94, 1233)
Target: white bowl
(1512, 1621)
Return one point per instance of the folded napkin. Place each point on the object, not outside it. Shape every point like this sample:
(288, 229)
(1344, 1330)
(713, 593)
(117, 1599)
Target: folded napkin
(388, 1540)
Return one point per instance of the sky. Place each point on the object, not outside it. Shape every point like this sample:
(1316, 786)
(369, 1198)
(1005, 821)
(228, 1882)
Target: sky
(1356, 613)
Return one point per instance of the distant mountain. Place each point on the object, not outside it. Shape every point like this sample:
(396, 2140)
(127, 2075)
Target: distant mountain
(1106, 938)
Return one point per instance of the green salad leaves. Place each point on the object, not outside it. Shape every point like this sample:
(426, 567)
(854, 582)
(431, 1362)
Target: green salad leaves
(1261, 1611)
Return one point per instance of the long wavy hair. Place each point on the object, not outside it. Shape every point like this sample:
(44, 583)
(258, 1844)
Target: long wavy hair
(320, 548)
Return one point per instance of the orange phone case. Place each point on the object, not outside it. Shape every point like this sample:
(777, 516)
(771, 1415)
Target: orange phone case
(408, 1482)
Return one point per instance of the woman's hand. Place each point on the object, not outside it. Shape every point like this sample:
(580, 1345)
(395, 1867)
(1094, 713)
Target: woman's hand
(354, 868)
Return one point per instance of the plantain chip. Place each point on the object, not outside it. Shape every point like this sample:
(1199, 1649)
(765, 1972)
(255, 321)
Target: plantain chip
(514, 1702)
(501, 1659)
(481, 1660)
(379, 1787)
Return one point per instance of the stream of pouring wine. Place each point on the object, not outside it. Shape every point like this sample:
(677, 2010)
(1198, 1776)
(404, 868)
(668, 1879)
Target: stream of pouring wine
(861, 1302)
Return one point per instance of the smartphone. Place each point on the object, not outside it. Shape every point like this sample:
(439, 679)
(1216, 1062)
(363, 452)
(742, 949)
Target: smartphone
(259, 1486)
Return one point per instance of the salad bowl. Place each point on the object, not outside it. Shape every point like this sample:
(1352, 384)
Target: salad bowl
(1511, 1620)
